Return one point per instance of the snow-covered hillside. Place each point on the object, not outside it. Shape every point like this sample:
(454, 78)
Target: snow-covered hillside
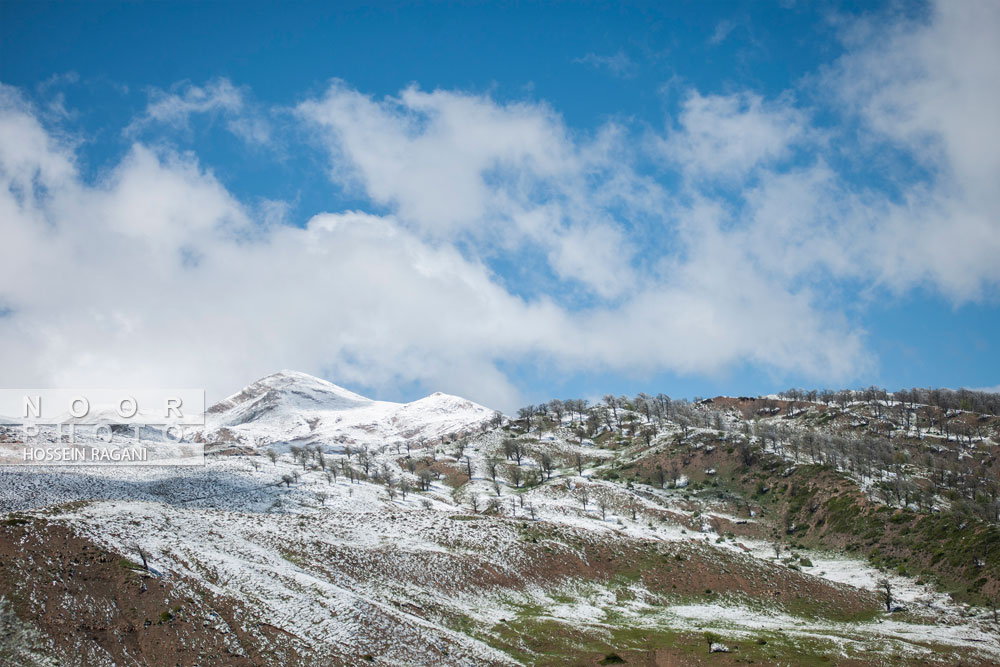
(296, 408)
(599, 535)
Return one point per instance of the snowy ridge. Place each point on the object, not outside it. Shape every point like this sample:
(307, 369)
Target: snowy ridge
(296, 407)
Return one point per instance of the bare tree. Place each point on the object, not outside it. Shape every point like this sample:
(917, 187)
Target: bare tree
(366, 462)
(299, 454)
(142, 556)
(684, 423)
(661, 477)
(491, 468)
(508, 445)
(602, 504)
(525, 414)
(546, 464)
(885, 593)
(613, 404)
(517, 451)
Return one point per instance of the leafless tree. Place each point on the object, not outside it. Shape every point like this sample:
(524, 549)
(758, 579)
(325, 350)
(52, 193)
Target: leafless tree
(885, 593)
(602, 504)
(491, 468)
(517, 451)
(546, 464)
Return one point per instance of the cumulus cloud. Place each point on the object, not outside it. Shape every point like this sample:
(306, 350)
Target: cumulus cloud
(727, 136)
(931, 88)
(916, 99)
(431, 154)
(452, 163)
(156, 274)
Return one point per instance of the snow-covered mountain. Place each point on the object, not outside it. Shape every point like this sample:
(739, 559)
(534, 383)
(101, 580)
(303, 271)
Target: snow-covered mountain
(291, 407)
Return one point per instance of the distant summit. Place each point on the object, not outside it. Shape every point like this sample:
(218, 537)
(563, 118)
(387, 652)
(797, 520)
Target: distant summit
(292, 407)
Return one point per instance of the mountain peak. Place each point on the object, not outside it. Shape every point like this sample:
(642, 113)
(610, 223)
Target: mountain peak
(286, 391)
(297, 381)
(291, 405)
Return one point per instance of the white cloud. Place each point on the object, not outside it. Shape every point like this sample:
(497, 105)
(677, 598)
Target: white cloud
(431, 154)
(932, 88)
(157, 275)
(29, 156)
(728, 136)
(457, 164)
(721, 32)
(924, 93)
(618, 63)
(219, 96)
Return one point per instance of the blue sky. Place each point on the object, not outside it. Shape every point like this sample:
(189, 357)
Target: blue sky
(507, 202)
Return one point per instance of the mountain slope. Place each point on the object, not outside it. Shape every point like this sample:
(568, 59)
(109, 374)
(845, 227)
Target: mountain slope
(626, 532)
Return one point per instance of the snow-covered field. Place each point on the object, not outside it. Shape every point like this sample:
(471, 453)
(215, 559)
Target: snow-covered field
(350, 567)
